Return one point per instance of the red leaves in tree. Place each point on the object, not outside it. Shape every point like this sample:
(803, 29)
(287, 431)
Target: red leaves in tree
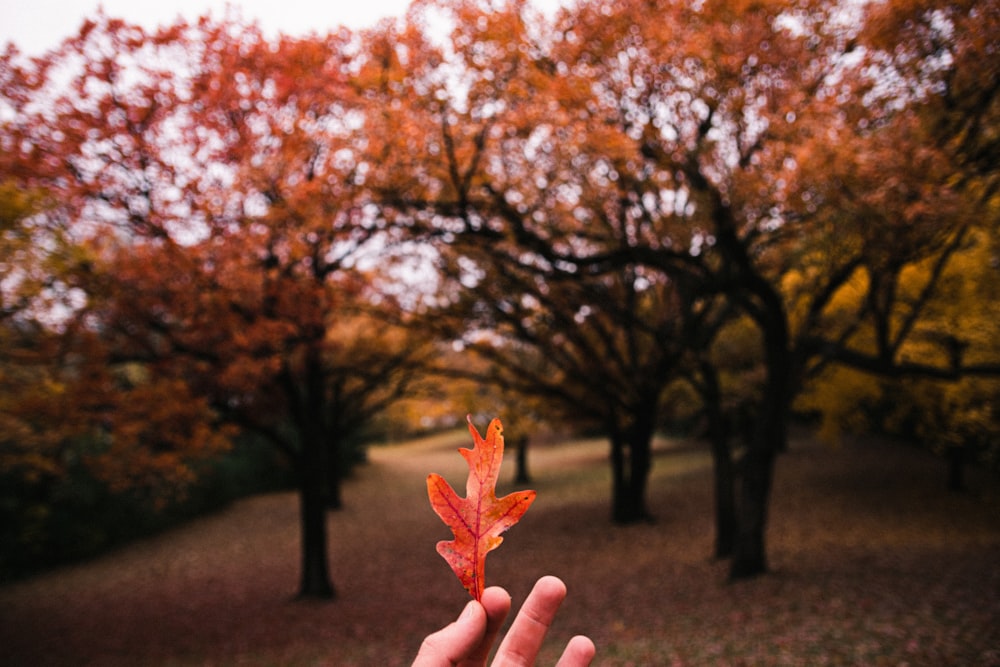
(478, 519)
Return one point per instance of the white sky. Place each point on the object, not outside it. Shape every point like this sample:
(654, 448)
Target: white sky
(38, 25)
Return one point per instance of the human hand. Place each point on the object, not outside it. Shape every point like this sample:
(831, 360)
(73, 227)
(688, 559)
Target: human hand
(467, 641)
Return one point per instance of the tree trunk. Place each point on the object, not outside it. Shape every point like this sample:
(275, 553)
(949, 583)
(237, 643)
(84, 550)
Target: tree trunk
(312, 504)
(619, 481)
(724, 478)
(757, 471)
(723, 469)
(769, 438)
(521, 475)
(315, 581)
(749, 552)
(956, 468)
(631, 458)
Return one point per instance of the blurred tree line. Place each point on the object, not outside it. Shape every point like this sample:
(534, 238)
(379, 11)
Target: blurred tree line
(219, 248)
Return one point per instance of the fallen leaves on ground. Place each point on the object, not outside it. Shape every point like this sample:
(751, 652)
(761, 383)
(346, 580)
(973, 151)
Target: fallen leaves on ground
(872, 563)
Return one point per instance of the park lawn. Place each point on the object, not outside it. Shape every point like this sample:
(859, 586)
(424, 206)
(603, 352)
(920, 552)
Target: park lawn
(873, 563)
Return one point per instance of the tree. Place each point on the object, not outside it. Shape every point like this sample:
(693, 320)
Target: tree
(217, 180)
(917, 313)
(66, 413)
(696, 148)
(954, 416)
(609, 151)
(606, 342)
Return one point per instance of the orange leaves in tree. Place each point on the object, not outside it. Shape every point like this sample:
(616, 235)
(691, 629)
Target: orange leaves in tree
(478, 519)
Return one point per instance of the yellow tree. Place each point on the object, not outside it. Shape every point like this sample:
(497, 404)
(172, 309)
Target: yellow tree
(925, 396)
(916, 307)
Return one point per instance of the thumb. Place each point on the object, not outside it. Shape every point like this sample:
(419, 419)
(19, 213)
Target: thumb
(456, 641)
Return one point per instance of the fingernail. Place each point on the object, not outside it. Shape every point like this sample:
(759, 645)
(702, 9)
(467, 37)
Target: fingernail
(468, 611)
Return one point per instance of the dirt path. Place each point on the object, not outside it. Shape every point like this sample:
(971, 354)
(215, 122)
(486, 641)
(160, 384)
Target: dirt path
(872, 563)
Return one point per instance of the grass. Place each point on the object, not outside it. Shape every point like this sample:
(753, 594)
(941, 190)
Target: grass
(873, 563)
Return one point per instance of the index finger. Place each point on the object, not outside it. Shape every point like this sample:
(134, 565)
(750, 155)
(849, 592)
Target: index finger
(496, 602)
(520, 647)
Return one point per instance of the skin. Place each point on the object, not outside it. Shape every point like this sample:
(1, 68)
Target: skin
(467, 641)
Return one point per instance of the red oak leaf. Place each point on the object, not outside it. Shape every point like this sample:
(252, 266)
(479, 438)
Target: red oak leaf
(478, 519)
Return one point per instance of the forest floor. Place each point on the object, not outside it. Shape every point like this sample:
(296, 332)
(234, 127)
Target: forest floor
(872, 563)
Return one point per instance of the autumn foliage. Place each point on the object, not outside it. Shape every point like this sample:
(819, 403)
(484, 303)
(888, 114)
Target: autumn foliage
(478, 519)
(209, 233)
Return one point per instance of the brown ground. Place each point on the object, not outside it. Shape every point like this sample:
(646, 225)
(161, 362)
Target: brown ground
(873, 563)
